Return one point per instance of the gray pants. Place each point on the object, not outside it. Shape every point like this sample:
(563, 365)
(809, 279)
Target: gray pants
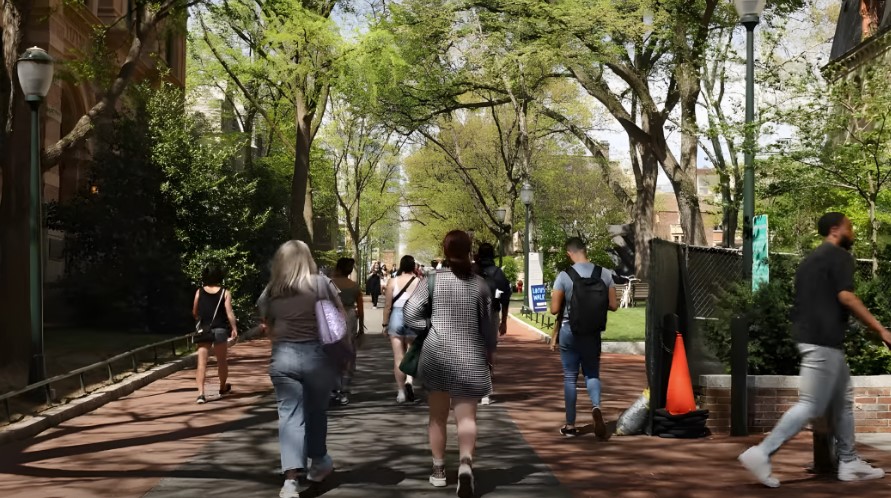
(825, 389)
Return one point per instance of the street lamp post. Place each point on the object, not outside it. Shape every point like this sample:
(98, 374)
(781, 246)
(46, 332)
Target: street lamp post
(526, 196)
(35, 72)
(500, 215)
(750, 15)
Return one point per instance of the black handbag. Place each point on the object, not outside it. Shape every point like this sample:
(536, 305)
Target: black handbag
(409, 363)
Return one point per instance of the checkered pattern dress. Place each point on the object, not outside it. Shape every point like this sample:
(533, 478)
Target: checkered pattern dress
(453, 358)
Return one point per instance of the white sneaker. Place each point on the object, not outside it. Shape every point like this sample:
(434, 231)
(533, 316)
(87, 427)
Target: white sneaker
(318, 471)
(756, 462)
(290, 489)
(486, 400)
(858, 470)
(400, 397)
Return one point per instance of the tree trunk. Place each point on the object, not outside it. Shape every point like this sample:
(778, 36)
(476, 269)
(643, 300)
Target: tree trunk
(874, 226)
(644, 212)
(729, 224)
(692, 221)
(301, 228)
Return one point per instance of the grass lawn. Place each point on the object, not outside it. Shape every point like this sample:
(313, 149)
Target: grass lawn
(626, 324)
(68, 349)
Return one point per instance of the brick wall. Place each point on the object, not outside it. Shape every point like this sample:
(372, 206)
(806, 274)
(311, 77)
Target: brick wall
(771, 395)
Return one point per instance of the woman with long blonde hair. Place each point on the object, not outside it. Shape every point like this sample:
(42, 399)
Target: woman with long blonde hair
(302, 374)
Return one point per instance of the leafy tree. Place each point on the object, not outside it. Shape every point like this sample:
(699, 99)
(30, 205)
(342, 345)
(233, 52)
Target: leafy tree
(843, 141)
(167, 203)
(365, 162)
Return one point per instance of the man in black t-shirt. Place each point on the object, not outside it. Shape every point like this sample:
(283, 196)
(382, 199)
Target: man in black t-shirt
(824, 299)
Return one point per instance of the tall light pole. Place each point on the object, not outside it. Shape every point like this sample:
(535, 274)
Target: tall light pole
(35, 72)
(750, 15)
(526, 196)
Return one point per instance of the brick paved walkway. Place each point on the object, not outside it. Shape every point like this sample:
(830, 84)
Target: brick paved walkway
(157, 443)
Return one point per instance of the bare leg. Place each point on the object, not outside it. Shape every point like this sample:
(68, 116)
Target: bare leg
(201, 371)
(221, 352)
(398, 345)
(465, 415)
(438, 402)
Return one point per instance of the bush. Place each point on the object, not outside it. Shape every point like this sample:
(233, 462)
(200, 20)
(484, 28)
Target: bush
(772, 351)
(511, 269)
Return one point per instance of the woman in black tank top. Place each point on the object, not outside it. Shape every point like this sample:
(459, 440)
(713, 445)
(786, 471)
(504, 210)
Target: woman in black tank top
(213, 310)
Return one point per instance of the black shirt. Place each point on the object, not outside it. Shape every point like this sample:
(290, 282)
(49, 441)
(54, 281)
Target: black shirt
(208, 304)
(819, 317)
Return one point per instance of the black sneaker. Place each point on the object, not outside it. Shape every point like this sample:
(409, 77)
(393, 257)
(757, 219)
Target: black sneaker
(599, 425)
(465, 479)
(409, 393)
(201, 400)
(226, 389)
(567, 431)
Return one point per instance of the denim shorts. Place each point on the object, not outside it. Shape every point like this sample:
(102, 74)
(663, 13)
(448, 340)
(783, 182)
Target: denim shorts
(217, 336)
(396, 327)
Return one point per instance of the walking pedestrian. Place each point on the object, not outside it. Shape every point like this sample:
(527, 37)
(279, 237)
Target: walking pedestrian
(824, 301)
(302, 374)
(456, 353)
(499, 289)
(373, 284)
(397, 293)
(212, 307)
(351, 298)
(581, 297)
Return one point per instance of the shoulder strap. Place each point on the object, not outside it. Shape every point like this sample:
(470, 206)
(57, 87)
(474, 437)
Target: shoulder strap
(402, 291)
(573, 275)
(222, 295)
(597, 273)
(431, 286)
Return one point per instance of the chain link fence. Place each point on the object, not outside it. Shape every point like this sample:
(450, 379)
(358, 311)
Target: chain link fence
(712, 269)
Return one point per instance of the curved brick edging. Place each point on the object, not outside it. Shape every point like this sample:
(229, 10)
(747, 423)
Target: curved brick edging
(616, 347)
(771, 395)
(33, 425)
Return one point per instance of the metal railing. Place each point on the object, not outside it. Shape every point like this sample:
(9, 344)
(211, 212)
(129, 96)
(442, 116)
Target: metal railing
(81, 372)
(540, 319)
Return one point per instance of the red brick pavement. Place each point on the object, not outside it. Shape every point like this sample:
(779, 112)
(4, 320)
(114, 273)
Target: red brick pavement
(124, 448)
(529, 380)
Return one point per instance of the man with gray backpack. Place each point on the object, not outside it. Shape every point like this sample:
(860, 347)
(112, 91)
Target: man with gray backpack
(581, 297)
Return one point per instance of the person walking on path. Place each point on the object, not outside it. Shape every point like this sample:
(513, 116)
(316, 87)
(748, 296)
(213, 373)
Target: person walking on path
(824, 299)
(499, 289)
(401, 337)
(351, 298)
(456, 353)
(212, 307)
(301, 372)
(581, 297)
(373, 284)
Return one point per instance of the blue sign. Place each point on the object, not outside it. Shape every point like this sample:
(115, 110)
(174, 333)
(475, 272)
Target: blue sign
(538, 298)
(760, 252)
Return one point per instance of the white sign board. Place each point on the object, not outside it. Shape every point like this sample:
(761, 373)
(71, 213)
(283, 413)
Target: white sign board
(536, 274)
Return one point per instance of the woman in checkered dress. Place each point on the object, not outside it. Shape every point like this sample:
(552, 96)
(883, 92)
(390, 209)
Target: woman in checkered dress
(454, 362)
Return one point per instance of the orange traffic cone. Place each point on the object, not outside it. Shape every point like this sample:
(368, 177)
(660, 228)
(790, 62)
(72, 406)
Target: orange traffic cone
(679, 398)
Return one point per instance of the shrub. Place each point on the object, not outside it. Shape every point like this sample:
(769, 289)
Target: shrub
(510, 268)
(772, 350)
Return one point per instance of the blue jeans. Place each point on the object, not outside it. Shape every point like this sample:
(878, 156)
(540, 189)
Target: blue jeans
(303, 377)
(579, 352)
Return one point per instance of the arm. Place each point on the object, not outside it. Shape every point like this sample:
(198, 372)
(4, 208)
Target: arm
(388, 304)
(557, 298)
(853, 303)
(360, 310)
(195, 304)
(613, 300)
(230, 314)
